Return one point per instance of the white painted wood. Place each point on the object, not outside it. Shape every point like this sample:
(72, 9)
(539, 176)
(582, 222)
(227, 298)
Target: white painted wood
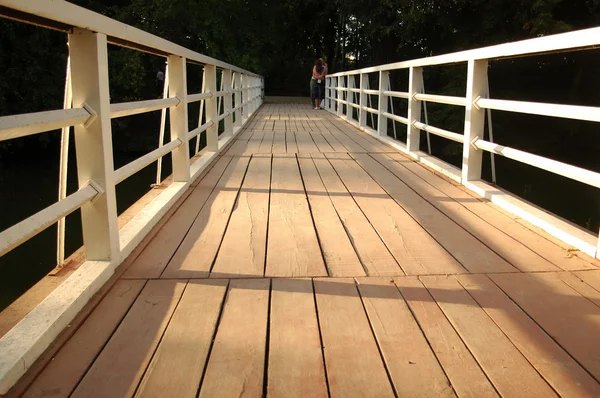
(566, 170)
(370, 110)
(238, 99)
(362, 115)
(228, 132)
(28, 228)
(474, 119)
(163, 123)
(440, 132)
(63, 168)
(25, 342)
(372, 92)
(244, 93)
(72, 15)
(201, 111)
(396, 94)
(350, 98)
(89, 73)
(178, 117)
(441, 99)
(133, 167)
(136, 107)
(16, 126)
(212, 133)
(198, 97)
(396, 118)
(415, 86)
(341, 100)
(382, 121)
(589, 113)
(200, 129)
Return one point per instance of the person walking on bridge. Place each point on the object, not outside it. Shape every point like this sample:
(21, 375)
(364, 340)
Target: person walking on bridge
(318, 78)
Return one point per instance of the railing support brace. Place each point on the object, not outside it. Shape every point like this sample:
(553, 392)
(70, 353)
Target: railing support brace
(350, 98)
(93, 142)
(362, 100)
(415, 86)
(228, 132)
(237, 77)
(341, 84)
(382, 121)
(212, 133)
(474, 119)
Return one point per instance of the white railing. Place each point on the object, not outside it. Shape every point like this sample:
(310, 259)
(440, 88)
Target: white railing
(341, 100)
(89, 111)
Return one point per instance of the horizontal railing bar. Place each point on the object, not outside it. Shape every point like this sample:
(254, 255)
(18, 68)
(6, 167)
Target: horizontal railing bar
(357, 106)
(581, 39)
(341, 101)
(395, 117)
(73, 15)
(342, 88)
(441, 99)
(199, 129)
(133, 167)
(576, 112)
(372, 110)
(372, 92)
(354, 90)
(440, 132)
(222, 93)
(26, 229)
(396, 94)
(136, 107)
(198, 97)
(223, 116)
(25, 124)
(566, 170)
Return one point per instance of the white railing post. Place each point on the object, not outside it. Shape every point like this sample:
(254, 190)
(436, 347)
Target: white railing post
(336, 91)
(350, 98)
(228, 103)
(362, 100)
(327, 93)
(237, 77)
(93, 142)
(474, 119)
(212, 133)
(244, 97)
(341, 84)
(415, 86)
(382, 121)
(178, 117)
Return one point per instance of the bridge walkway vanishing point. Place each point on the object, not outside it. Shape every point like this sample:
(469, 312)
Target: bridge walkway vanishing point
(312, 259)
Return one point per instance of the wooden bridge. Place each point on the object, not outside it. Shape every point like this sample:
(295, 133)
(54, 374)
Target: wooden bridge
(302, 253)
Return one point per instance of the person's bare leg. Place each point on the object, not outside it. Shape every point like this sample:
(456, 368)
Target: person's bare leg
(318, 100)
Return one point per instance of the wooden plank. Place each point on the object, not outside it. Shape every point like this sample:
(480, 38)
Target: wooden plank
(580, 286)
(295, 358)
(372, 252)
(177, 365)
(411, 364)
(243, 250)
(236, 364)
(321, 142)
(571, 319)
(195, 255)
(592, 278)
(254, 143)
(545, 248)
(500, 242)
(335, 144)
(122, 362)
(414, 249)
(266, 144)
(290, 142)
(464, 372)
(350, 144)
(361, 139)
(292, 248)
(155, 257)
(354, 366)
(505, 366)
(551, 361)
(279, 142)
(305, 143)
(340, 257)
(70, 364)
(469, 251)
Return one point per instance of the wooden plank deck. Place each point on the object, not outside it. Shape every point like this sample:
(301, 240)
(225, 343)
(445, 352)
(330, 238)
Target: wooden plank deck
(312, 260)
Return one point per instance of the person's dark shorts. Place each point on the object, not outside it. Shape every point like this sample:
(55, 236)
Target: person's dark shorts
(318, 90)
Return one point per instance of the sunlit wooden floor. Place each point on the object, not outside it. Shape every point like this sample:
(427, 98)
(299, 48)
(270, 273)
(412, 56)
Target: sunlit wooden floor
(313, 260)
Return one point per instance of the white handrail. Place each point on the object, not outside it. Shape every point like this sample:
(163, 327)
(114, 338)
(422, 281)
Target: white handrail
(16, 126)
(133, 167)
(136, 107)
(588, 113)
